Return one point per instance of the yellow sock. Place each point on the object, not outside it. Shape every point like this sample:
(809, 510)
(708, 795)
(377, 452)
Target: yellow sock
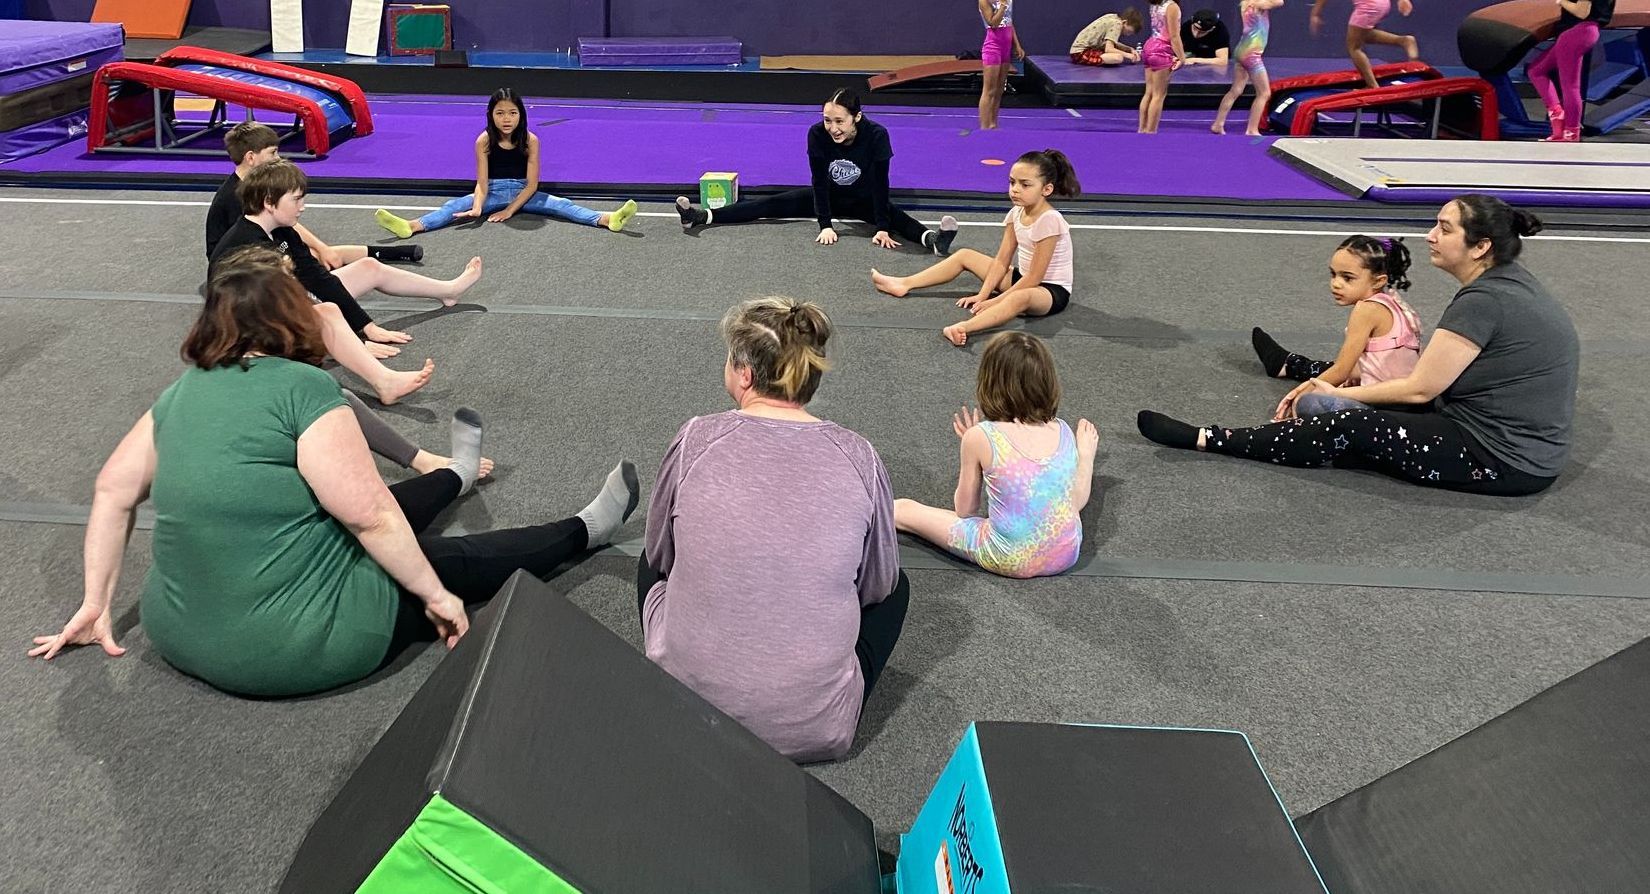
(394, 224)
(619, 218)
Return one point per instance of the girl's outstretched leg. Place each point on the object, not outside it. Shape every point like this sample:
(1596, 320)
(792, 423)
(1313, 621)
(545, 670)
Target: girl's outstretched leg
(345, 347)
(964, 260)
(931, 523)
(367, 274)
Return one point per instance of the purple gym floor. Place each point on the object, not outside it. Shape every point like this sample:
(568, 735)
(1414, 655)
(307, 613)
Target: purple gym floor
(668, 145)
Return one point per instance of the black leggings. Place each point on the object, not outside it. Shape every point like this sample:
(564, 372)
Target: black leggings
(473, 566)
(1426, 448)
(879, 625)
(1301, 368)
(800, 203)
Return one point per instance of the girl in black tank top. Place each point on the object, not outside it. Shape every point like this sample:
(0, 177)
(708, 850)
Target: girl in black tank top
(507, 180)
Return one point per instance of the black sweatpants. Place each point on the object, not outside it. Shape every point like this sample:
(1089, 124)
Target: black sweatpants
(880, 625)
(1426, 448)
(800, 203)
(473, 566)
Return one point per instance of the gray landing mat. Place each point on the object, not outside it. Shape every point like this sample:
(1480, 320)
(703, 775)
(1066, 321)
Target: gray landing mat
(1391, 167)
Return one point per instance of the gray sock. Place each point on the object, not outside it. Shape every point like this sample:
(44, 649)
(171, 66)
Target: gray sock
(466, 447)
(619, 496)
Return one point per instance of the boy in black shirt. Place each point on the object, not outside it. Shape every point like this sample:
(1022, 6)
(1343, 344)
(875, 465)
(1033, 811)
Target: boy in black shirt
(251, 144)
(272, 197)
(1206, 39)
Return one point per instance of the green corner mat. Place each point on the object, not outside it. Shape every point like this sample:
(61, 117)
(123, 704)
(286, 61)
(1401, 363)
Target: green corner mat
(448, 850)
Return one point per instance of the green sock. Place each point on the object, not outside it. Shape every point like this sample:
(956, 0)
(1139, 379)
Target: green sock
(394, 224)
(619, 218)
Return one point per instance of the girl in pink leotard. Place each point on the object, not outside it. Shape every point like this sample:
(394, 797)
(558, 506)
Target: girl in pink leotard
(997, 54)
(1383, 334)
(1163, 55)
(1362, 28)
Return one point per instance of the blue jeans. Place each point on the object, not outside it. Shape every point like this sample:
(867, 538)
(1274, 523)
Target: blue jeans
(1315, 404)
(500, 193)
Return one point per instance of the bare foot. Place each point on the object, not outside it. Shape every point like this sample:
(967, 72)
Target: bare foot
(377, 333)
(1253, 133)
(395, 384)
(1412, 48)
(463, 282)
(426, 462)
(955, 334)
(892, 285)
(380, 352)
(1217, 128)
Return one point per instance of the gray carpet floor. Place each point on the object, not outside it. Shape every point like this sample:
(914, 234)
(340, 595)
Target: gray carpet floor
(1213, 592)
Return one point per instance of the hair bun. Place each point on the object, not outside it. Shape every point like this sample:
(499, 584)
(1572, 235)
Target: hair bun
(1525, 223)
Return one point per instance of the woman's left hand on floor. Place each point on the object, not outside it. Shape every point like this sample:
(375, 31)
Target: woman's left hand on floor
(884, 240)
(500, 217)
(89, 625)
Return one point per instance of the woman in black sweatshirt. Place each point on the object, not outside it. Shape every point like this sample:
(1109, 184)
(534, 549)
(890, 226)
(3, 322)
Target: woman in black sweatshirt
(848, 155)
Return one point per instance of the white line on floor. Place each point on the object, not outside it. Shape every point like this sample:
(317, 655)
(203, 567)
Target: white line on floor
(671, 215)
(1074, 113)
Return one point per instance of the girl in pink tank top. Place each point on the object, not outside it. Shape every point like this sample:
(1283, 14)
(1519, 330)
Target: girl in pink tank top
(1383, 335)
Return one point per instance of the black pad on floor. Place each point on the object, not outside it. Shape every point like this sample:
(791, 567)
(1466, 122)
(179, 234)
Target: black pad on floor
(1553, 795)
(546, 751)
(240, 41)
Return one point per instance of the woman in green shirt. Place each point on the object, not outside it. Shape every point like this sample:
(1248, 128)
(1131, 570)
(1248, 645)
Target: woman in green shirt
(282, 563)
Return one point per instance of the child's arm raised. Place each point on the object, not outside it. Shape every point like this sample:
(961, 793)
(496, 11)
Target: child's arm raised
(532, 185)
(993, 15)
(974, 455)
(478, 200)
(1264, 5)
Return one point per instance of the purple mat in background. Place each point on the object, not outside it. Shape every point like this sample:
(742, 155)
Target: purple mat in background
(598, 142)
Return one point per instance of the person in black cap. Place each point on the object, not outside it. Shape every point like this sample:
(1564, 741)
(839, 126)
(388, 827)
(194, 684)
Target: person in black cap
(1206, 39)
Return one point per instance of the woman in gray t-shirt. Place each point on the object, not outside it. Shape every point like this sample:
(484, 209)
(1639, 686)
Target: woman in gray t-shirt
(1502, 368)
(770, 583)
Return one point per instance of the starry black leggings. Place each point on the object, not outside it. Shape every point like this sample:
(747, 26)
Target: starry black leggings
(1426, 448)
(1300, 367)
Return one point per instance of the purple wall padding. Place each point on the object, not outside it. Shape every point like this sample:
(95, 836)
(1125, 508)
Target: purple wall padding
(824, 27)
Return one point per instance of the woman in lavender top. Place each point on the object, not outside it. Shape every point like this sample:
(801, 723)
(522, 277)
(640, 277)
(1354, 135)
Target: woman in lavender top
(770, 582)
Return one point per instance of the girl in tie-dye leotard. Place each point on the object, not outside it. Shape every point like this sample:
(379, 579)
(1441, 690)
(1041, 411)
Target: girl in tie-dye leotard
(1032, 471)
(1251, 45)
